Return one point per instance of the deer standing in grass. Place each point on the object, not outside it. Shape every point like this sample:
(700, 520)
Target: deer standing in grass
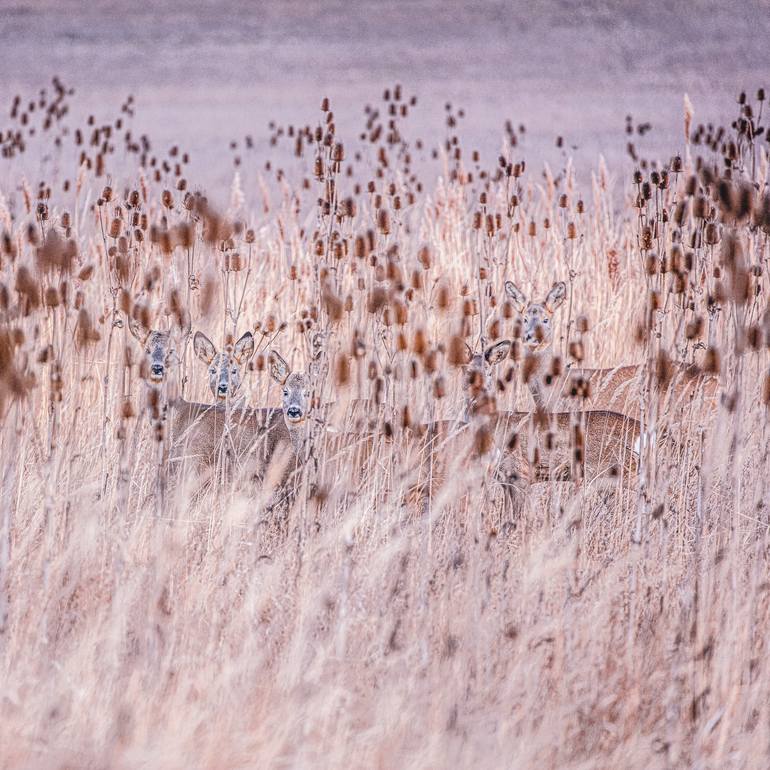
(516, 448)
(619, 389)
(524, 447)
(197, 434)
(336, 454)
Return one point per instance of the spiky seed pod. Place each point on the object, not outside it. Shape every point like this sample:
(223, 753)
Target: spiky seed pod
(51, 298)
(712, 236)
(700, 207)
(694, 328)
(576, 351)
(332, 304)
(383, 221)
(663, 370)
(419, 342)
(86, 333)
(33, 236)
(127, 410)
(376, 300)
(456, 354)
(529, 368)
(482, 441)
(342, 371)
(28, 287)
(711, 364)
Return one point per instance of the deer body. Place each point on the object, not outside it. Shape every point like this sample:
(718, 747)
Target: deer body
(619, 389)
(201, 438)
(530, 447)
(203, 435)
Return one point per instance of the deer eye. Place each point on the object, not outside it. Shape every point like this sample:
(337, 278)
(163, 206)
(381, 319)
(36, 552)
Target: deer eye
(285, 392)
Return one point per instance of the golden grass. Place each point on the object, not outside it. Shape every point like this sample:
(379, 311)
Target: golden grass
(139, 629)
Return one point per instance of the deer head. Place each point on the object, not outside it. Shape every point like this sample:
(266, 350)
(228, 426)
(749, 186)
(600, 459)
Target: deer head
(159, 350)
(478, 374)
(537, 330)
(224, 368)
(296, 390)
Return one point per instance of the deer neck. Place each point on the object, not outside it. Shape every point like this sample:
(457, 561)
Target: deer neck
(298, 434)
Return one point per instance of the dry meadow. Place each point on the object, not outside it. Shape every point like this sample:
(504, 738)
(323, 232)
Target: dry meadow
(397, 609)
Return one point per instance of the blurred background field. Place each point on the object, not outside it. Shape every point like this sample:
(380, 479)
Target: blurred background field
(207, 73)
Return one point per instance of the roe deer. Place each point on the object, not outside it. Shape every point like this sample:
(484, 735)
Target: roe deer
(335, 453)
(618, 389)
(224, 369)
(204, 436)
(522, 447)
(252, 437)
(159, 349)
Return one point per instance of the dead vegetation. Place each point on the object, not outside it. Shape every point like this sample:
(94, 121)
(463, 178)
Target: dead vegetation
(378, 596)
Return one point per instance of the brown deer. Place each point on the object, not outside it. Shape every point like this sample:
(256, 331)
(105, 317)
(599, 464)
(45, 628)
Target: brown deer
(198, 437)
(521, 448)
(224, 369)
(338, 448)
(618, 389)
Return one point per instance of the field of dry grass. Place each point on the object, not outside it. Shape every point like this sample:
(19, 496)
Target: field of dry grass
(399, 612)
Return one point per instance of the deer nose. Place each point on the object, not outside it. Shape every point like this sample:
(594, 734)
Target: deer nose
(294, 412)
(157, 370)
(222, 388)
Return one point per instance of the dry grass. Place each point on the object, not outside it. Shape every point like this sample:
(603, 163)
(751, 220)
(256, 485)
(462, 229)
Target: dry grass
(164, 629)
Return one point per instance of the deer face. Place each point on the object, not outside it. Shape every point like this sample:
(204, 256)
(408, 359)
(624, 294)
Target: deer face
(159, 350)
(296, 391)
(478, 379)
(537, 328)
(224, 368)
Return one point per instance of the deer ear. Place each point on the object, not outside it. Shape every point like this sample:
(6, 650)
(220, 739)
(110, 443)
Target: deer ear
(138, 329)
(244, 348)
(556, 296)
(279, 369)
(516, 295)
(204, 347)
(497, 352)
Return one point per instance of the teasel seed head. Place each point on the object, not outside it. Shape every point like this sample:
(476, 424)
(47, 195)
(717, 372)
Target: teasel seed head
(711, 364)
